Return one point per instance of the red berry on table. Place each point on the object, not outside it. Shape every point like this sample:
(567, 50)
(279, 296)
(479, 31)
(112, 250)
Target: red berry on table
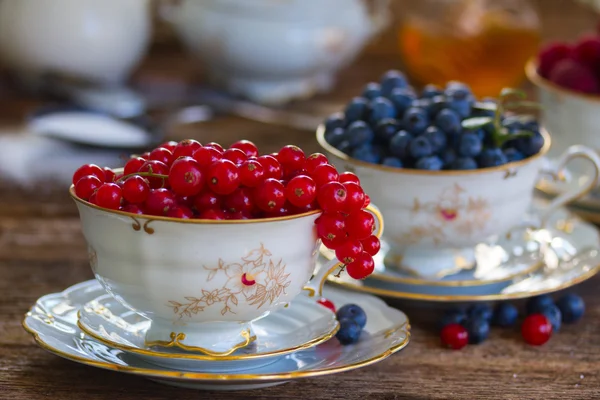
(327, 303)
(536, 329)
(170, 145)
(212, 214)
(355, 197)
(155, 167)
(185, 177)
(324, 174)
(132, 208)
(332, 197)
(207, 200)
(180, 211)
(159, 202)
(552, 54)
(236, 156)
(349, 177)
(163, 155)
(360, 225)
(88, 169)
(223, 177)
(301, 191)
(86, 186)
(205, 156)
(247, 147)
(371, 245)
(291, 158)
(252, 173)
(185, 148)
(454, 336)
(331, 229)
(216, 146)
(349, 251)
(362, 267)
(133, 165)
(136, 189)
(272, 167)
(270, 195)
(573, 75)
(109, 196)
(240, 200)
(109, 175)
(313, 161)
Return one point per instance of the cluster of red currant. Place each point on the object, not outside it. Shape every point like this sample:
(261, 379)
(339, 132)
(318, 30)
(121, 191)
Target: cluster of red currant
(190, 180)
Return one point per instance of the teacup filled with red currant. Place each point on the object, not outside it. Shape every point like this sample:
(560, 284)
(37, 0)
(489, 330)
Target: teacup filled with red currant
(215, 237)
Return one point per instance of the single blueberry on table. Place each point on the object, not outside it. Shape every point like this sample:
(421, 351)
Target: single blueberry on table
(354, 312)
(349, 332)
(571, 307)
(392, 162)
(402, 99)
(359, 133)
(530, 145)
(448, 121)
(392, 80)
(380, 109)
(385, 130)
(453, 317)
(367, 153)
(537, 304)
(478, 329)
(505, 315)
(463, 163)
(371, 91)
(469, 145)
(335, 121)
(415, 120)
(357, 109)
(430, 91)
(553, 314)
(335, 136)
(436, 137)
(399, 144)
(420, 147)
(492, 157)
(480, 311)
(431, 163)
(513, 154)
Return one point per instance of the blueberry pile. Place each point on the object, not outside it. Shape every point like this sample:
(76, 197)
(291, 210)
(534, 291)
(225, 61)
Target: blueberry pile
(352, 319)
(440, 129)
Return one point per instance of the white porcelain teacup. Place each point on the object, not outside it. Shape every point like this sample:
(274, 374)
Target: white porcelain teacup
(434, 219)
(201, 282)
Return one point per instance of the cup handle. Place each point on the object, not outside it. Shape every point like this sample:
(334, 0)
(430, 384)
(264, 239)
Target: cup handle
(380, 17)
(557, 172)
(315, 286)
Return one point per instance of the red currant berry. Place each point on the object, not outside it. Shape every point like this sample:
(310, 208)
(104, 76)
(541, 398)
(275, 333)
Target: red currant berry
(331, 229)
(223, 177)
(367, 201)
(109, 195)
(212, 214)
(371, 245)
(348, 252)
(170, 145)
(332, 197)
(180, 211)
(159, 202)
(133, 165)
(163, 155)
(536, 329)
(360, 225)
(301, 191)
(145, 156)
(88, 169)
(187, 201)
(185, 148)
(362, 267)
(185, 177)
(301, 210)
(291, 158)
(271, 166)
(270, 195)
(207, 200)
(251, 173)
(349, 177)
(454, 336)
(86, 186)
(313, 161)
(355, 197)
(158, 168)
(238, 215)
(136, 189)
(280, 212)
(239, 200)
(247, 147)
(109, 175)
(324, 173)
(215, 146)
(327, 303)
(92, 198)
(205, 156)
(133, 208)
(236, 156)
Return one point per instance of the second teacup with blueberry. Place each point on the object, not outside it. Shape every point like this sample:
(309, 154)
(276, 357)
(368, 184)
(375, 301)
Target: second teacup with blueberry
(447, 170)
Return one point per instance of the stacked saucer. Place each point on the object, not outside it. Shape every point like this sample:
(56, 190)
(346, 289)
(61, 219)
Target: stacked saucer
(87, 325)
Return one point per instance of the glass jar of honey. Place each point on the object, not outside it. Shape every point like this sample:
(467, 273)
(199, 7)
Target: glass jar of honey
(484, 43)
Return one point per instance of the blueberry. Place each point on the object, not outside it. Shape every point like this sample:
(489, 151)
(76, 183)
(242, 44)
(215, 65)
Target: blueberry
(401, 99)
(392, 80)
(469, 145)
(513, 123)
(461, 107)
(553, 314)
(464, 163)
(478, 329)
(432, 163)
(492, 157)
(335, 121)
(357, 109)
(505, 315)
(438, 103)
(385, 130)
(537, 304)
(430, 91)
(371, 91)
(436, 137)
(399, 144)
(380, 109)
(344, 147)
(448, 155)
(448, 121)
(349, 332)
(457, 85)
(353, 312)
(415, 120)
(420, 147)
(359, 133)
(480, 311)
(453, 317)
(571, 307)
(530, 145)
(392, 162)
(513, 154)
(459, 99)
(336, 136)
(425, 104)
(367, 153)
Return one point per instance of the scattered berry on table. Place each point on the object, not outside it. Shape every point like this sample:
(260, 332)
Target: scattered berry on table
(537, 304)
(453, 317)
(553, 314)
(454, 336)
(349, 332)
(505, 315)
(353, 312)
(571, 307)
(478, 329)
(483, 311)
(326, 303)
(536, 329)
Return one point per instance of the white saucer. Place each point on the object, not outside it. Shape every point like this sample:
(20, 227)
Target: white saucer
(53, 323)
(304, 324)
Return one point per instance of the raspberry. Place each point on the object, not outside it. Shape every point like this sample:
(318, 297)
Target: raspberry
(550, 55)
(587, 52)
(574, 76)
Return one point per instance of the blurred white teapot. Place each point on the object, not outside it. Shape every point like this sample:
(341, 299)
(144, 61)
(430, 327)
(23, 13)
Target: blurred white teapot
(97, 40)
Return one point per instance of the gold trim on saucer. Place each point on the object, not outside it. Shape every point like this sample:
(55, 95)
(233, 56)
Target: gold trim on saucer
(178, 338)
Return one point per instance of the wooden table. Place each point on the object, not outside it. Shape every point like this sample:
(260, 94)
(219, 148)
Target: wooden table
(42, 251)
